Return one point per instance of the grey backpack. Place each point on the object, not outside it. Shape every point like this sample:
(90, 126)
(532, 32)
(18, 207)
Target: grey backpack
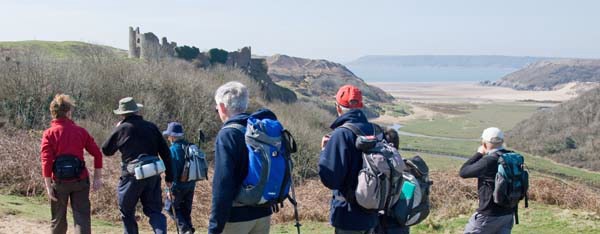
(195, 167)
(380, 181)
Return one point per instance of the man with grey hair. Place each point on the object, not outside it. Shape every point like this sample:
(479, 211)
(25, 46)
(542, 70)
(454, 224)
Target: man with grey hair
(489, 217)
(231, 168)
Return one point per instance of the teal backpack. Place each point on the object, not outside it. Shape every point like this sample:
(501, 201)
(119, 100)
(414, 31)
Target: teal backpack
(414, 204)
(512, 182)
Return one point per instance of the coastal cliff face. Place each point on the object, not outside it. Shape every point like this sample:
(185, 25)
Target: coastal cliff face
(318, 78)
(551, 74)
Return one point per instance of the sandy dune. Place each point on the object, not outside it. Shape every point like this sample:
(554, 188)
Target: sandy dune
(472, 92)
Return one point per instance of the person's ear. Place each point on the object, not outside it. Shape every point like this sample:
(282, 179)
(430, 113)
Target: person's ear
(338, 109)
(222, 109)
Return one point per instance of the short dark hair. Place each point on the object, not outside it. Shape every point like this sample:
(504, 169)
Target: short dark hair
(392, 137)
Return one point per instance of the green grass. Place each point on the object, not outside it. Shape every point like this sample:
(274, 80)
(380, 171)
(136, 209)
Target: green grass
(538, 218)
(37, 209)
(467, 149)
(470, 125)
(56, 48)
(449, 147)
(398, 109)
(436, 162)
(546, 166)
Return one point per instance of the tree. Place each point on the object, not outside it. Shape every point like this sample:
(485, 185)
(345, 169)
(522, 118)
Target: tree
(186, 52)
(217, 56)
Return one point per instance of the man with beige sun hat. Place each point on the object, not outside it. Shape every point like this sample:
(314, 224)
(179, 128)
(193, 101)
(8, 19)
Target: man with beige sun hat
(138, 140)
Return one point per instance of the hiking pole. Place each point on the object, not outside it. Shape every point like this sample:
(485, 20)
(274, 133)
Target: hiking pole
(174, 215)
(294, 202)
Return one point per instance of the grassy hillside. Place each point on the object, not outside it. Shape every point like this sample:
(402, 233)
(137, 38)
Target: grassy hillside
(61, 48)
(568, 133)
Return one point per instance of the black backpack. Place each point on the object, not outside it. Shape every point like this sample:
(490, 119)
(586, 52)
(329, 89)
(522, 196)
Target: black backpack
(67, 167)
(414, 205)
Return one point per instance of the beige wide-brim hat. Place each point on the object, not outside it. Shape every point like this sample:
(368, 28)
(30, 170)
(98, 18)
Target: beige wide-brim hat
(127, 106)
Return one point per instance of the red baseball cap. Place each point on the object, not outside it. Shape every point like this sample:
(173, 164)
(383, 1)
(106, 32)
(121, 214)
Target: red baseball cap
(349, 96)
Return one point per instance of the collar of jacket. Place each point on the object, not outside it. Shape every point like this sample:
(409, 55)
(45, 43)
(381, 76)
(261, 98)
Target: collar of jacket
(352, 116)
(495, 150)
(61, 121)
(180, 142)
(133, 118)
(239, 119)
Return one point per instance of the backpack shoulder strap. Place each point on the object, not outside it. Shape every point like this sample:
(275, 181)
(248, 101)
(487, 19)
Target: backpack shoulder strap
(237, 126)
(378, 131)
(353, 128)
(290, 142)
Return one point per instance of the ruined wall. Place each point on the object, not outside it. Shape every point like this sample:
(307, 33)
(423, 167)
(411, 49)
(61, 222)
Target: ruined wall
(147, 46)
(240, 58)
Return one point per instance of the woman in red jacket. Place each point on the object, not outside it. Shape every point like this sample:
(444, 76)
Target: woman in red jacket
(63, 167)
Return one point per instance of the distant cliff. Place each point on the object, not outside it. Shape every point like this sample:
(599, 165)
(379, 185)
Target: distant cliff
(551, 74)
(318, 78)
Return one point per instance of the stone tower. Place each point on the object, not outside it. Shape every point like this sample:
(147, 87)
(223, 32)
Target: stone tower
(147, 46)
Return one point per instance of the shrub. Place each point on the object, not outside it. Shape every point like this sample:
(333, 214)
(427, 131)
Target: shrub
(186, 52)
(217, 56)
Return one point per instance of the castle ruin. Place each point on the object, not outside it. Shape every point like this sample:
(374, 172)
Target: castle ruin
(147, 46)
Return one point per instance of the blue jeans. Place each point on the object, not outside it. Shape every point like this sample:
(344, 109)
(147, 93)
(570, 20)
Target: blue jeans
(183, 208)
(148, 191)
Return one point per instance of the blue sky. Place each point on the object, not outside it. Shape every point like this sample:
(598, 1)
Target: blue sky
(335, 30)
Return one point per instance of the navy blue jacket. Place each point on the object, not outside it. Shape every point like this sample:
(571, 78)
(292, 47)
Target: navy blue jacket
(178, 161)
(231, 168)
(339, 165)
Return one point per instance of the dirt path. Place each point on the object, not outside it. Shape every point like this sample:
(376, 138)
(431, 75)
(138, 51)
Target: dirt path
(11, 224)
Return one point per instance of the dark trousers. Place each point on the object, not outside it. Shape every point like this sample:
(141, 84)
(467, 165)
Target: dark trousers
(148, 191)
(342, 231)
(183, 208)
(392, 230)
(78, 193)
(387, 225)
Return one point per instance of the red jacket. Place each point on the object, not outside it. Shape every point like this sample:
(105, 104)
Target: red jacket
(65, 137)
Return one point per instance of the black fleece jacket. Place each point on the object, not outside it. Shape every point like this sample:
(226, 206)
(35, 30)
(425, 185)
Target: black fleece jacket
(484, 168)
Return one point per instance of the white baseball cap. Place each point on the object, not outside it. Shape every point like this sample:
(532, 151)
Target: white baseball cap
(492, 135)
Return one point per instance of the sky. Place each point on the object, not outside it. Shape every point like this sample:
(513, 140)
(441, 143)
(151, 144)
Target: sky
(323, 29)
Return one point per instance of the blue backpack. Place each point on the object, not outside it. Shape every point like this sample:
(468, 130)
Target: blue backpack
(269, 166)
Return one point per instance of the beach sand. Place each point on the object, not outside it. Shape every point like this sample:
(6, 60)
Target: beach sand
(475, 93)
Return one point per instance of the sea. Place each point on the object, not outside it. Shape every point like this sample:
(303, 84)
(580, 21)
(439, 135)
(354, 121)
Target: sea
(430, 74)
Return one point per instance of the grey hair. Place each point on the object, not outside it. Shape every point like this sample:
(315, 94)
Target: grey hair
(234, 96)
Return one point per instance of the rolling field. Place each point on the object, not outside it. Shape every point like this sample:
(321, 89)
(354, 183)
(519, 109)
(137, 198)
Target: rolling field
(469, 120)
